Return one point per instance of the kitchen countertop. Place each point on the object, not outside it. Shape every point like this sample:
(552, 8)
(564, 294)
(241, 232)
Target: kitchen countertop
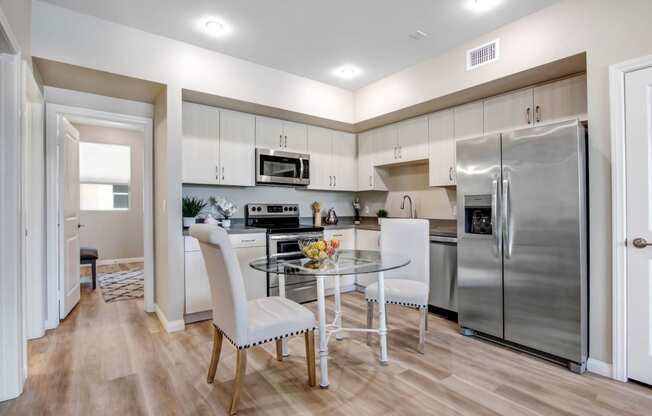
(441, 228)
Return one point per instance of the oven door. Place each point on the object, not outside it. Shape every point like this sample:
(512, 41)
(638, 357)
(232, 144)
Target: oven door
(282, 168)
(300, 289)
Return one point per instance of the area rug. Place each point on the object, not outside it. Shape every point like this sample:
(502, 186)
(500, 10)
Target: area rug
(124, 285)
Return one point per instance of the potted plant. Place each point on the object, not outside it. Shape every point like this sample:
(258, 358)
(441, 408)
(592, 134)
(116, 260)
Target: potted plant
(191, 207)
(225, 208)
(382, 213)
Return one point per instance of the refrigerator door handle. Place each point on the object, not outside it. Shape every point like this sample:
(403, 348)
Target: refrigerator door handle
(507, 217)
(495, 218)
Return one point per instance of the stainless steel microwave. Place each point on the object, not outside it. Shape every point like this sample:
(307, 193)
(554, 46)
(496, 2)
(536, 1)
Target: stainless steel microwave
(282, 168)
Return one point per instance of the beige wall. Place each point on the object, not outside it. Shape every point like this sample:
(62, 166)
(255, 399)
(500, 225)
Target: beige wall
(609, 32)
(412, 180)
(116, 234)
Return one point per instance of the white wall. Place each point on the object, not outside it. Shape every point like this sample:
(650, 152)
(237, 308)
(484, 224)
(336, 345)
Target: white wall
(98, 102)
(610, 32)
(116, 234)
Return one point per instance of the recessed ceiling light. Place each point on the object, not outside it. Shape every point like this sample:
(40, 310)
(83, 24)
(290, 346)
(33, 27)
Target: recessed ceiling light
(482, 5)
(347, 71)
(214, 27)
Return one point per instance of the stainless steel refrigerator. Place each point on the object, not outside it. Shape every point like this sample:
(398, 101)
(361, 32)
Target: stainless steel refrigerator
(522, 239)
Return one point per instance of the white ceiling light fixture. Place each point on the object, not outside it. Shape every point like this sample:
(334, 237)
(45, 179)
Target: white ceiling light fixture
(347, 71)
(480, 6)
(214, 27)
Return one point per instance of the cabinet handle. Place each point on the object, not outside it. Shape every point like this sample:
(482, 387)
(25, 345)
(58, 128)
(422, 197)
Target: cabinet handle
(217, 172)
(247, 241)
(222, 172)
(280, 140)
(537, 110)
(334, 180)
(400, 152)
(394, 152)
(527, 115)
(286, 141)
(450, 174)
(330, 181)
(370, 184)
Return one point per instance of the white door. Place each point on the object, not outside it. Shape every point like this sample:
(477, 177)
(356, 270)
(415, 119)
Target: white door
(413, 139)
(201, 144)
(638, 105)
(69, 276)
(237, 148)
(442, 148)
(344, 162)
(320, 149)
(295, 137)
(269, 133)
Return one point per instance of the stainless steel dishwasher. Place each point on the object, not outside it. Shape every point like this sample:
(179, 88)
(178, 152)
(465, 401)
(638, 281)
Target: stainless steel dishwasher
(443, 273)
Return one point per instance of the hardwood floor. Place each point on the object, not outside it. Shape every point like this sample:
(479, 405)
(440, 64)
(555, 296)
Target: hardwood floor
(112, 358)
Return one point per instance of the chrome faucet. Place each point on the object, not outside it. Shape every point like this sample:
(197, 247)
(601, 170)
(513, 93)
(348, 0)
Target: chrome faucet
(403, 205)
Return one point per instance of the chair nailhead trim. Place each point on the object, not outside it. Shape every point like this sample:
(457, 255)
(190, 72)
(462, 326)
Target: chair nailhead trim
(242, 347)
(413, 305)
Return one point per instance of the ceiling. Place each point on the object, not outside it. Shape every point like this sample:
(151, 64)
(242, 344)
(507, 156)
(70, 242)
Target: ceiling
(312, 38)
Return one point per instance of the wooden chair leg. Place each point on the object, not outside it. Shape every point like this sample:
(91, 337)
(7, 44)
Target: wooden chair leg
(310, 358)
(279, 350)
(240, 369)
(94, 272)
(215, 357)
(423, 319)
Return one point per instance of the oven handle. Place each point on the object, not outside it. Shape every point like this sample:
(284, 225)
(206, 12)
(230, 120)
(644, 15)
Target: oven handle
(283, 237)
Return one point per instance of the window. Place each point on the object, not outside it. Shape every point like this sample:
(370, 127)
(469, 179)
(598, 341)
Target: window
(104, 176)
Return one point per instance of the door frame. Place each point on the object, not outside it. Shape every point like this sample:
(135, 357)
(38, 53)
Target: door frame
(53, 203)
(617, 73)
(13, 343)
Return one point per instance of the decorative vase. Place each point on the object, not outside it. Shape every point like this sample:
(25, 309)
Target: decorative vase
(188, 221)
(226, 223)
(317, 219)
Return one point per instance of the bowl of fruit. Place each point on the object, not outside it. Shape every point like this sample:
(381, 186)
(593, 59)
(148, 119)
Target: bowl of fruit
(319, 250)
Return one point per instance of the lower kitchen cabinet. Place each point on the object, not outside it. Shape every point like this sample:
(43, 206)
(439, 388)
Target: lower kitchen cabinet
(367, 240)
(198, 294)
(347, 242)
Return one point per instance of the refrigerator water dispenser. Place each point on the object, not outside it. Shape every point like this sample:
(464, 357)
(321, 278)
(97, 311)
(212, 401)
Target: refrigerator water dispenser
(477, 214)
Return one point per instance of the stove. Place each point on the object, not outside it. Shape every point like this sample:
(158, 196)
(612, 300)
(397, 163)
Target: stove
(284, 231)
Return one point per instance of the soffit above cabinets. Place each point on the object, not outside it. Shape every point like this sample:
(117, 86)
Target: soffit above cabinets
(313, 38)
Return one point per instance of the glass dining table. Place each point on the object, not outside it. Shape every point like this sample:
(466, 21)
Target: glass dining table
(345, 262)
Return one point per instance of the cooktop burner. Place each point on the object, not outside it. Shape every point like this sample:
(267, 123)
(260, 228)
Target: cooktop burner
(277, 218)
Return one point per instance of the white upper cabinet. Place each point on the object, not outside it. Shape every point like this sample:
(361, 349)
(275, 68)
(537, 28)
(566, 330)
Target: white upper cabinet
(201, 144)
(296, 137)
(386, 145)
(237, 148)
(412, 140)
(469, 120)
(333, 161)
(509, 111)
(441, 128)
(281, 135)
(320, 150)
(560, 99)
(344, 161)
(369, 178)
(218, 146)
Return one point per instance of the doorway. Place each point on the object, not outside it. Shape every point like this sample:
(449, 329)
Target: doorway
(631, 112)
(99, 169)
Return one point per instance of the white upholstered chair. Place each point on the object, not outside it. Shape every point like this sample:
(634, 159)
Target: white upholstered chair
(247, 323)
(408, 286)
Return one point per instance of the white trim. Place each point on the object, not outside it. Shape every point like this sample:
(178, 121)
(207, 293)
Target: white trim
(169, 326)
(598, 367)
(13, 351)
(8, 35)
(53, 113)
(617, 74)
(110, 262)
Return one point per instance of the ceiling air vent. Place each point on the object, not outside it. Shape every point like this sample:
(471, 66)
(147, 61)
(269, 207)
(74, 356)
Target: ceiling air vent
(482, 55)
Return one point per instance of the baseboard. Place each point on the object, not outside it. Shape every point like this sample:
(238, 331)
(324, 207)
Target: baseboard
(109, 262)
(169, 326)
(598, 367)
